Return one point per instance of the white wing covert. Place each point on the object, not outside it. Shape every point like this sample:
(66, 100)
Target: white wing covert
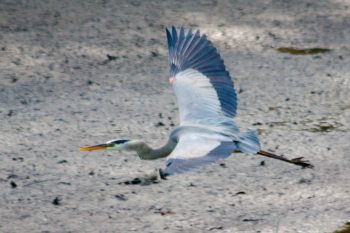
(194, 150)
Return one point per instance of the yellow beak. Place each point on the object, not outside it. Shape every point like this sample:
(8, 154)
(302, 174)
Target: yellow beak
(97, 147)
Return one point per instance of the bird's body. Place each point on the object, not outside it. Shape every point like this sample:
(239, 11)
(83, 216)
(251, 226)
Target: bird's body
(207, 105)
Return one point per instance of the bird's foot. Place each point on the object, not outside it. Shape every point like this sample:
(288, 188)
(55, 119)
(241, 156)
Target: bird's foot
(303, 163)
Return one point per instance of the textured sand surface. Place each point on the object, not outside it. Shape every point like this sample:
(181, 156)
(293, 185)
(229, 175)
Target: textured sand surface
(58, 91)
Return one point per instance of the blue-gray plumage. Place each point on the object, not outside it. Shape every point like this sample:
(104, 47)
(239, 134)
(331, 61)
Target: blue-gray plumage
(196, 52)
(207, 104)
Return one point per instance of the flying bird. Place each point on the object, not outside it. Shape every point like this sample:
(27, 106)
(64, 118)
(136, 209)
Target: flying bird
(207, 104)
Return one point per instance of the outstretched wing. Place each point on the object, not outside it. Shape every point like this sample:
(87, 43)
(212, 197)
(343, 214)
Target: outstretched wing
(195, 150)
(202, 85)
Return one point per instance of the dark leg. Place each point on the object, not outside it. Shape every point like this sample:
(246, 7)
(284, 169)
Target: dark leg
(297, 161)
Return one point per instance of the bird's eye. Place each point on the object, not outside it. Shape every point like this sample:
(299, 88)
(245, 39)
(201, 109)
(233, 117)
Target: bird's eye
(169, 163)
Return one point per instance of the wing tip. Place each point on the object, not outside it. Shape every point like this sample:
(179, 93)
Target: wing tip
(168, 36)
(173, 35)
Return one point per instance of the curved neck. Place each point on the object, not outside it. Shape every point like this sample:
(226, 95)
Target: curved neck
(146, 152)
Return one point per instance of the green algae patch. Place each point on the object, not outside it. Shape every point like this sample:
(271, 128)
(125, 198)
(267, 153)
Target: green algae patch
(345, 228)
(322, 128)
(296, 51)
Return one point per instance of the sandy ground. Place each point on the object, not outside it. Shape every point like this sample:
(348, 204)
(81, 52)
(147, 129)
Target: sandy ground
(58, 91)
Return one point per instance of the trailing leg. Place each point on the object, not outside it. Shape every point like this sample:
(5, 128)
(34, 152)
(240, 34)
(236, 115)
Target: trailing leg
(297, 161)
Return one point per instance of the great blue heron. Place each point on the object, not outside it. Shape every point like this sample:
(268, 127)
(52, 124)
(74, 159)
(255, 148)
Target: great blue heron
(207, 105)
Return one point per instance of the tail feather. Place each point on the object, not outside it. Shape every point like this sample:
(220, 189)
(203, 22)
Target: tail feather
(248, 142)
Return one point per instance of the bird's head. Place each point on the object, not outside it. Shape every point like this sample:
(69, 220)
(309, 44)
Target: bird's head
(119, 144)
